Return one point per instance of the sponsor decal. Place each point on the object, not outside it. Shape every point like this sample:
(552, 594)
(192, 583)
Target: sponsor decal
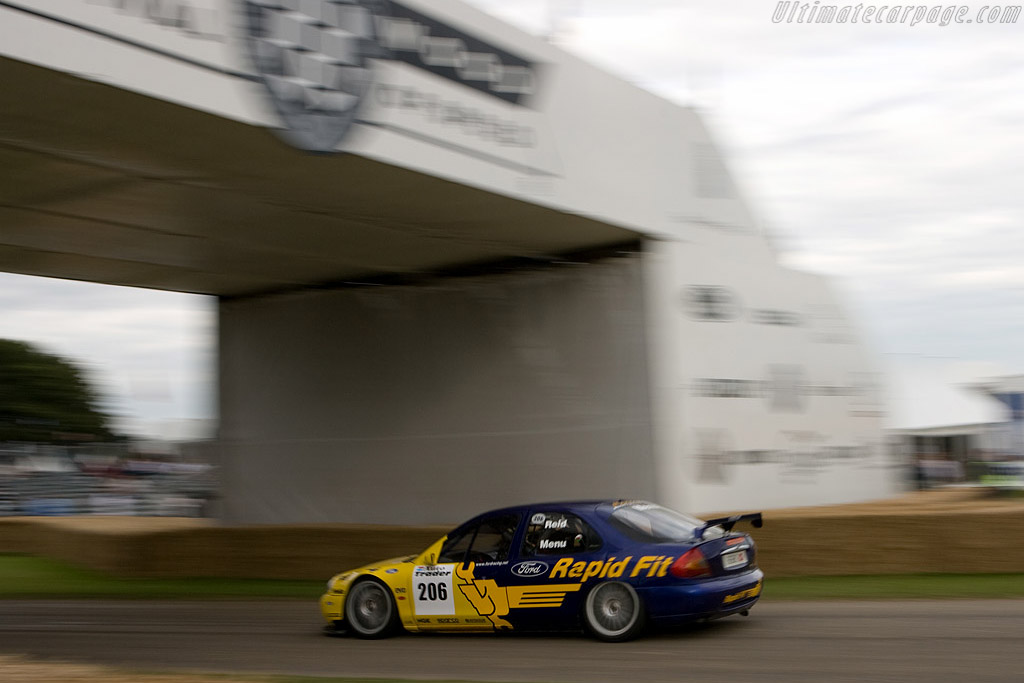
(189, 18)
(473, 123)
(433, 591)
(315, 59)
(743, 595)
(716, 460)
(650, 566)
(449, 620)
(530, 568)
(722, 387)
(538, 518)
(433, 570)
(391, 571)
(494, 602)
(785, 389)
(428, 43)
(711, 303)
(771, 316)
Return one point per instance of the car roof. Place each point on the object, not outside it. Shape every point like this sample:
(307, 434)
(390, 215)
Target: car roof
(568, 505)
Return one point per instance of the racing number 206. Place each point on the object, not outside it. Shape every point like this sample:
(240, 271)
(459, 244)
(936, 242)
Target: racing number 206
(432, 591)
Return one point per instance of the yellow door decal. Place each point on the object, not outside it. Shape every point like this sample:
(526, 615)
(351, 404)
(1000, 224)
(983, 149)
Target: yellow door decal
(540, 596)
(493, 601)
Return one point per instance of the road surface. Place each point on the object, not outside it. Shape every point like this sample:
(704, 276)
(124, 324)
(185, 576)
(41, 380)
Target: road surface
(788, 642)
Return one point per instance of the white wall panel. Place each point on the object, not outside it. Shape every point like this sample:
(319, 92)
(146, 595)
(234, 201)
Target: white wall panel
(429, 403)
(765, 396)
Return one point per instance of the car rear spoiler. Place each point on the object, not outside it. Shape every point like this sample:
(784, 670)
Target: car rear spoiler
(728, 523)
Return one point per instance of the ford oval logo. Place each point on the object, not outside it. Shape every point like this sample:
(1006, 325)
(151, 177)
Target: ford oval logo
(530, 568)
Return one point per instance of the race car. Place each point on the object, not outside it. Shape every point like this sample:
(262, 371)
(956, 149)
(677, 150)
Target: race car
(608, 567)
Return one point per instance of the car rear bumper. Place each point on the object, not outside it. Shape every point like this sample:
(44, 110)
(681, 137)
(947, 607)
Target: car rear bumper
(707, 599)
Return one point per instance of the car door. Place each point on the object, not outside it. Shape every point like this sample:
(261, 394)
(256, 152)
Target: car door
(465, 590)
(546, 581)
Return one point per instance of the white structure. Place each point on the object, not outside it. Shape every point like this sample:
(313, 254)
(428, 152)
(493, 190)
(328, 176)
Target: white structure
(503, 275)
(1009, 391)
(940, 421)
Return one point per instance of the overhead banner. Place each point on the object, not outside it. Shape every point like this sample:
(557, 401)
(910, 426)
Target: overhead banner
(327, 65)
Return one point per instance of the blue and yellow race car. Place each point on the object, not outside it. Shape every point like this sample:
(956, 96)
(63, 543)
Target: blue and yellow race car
(610, 567)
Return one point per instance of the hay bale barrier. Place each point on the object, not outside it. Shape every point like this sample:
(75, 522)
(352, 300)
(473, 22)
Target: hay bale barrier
(196, 548)
(960, 532)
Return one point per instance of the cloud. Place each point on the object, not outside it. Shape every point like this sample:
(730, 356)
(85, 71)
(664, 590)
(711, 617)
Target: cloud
(149, 353)
(884, 155)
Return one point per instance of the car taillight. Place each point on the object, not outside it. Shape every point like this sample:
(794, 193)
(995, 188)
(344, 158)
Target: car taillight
(691, 565)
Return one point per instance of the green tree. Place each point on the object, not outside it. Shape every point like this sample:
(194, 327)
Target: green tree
(45, 398)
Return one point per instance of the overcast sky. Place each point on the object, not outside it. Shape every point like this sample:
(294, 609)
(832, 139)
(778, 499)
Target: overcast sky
(890, 156)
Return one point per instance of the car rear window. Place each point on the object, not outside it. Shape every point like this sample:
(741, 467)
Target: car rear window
(650, 523)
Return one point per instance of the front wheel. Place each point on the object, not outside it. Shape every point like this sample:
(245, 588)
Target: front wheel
(370, 610)
(613, 612)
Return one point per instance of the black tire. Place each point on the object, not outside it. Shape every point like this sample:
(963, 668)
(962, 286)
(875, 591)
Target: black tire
(370, 610)
(613, 612)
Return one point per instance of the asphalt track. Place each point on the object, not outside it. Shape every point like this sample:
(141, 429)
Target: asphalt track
(928, 641)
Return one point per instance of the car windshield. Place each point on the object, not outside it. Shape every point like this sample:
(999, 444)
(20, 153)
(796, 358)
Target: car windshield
(650, 523)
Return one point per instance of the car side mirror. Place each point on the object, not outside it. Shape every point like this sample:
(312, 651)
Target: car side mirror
(431, 554)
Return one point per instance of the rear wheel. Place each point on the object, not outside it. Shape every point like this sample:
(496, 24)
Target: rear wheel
(613, 612)
(370, 610)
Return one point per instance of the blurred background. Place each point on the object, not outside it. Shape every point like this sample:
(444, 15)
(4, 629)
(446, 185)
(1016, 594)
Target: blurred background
(882, 155)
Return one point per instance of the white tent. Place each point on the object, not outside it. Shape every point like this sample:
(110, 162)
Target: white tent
(927, 394)
(941, 419)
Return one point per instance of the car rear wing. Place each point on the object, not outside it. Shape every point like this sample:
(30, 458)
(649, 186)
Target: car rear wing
(728, 523)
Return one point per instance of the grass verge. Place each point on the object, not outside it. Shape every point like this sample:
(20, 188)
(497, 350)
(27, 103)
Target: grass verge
(895, 587)
(23, 576)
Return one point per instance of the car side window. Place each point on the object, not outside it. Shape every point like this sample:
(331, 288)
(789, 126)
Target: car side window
(455, 547)
(558, 533)
(489, 540)
(493, 539)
